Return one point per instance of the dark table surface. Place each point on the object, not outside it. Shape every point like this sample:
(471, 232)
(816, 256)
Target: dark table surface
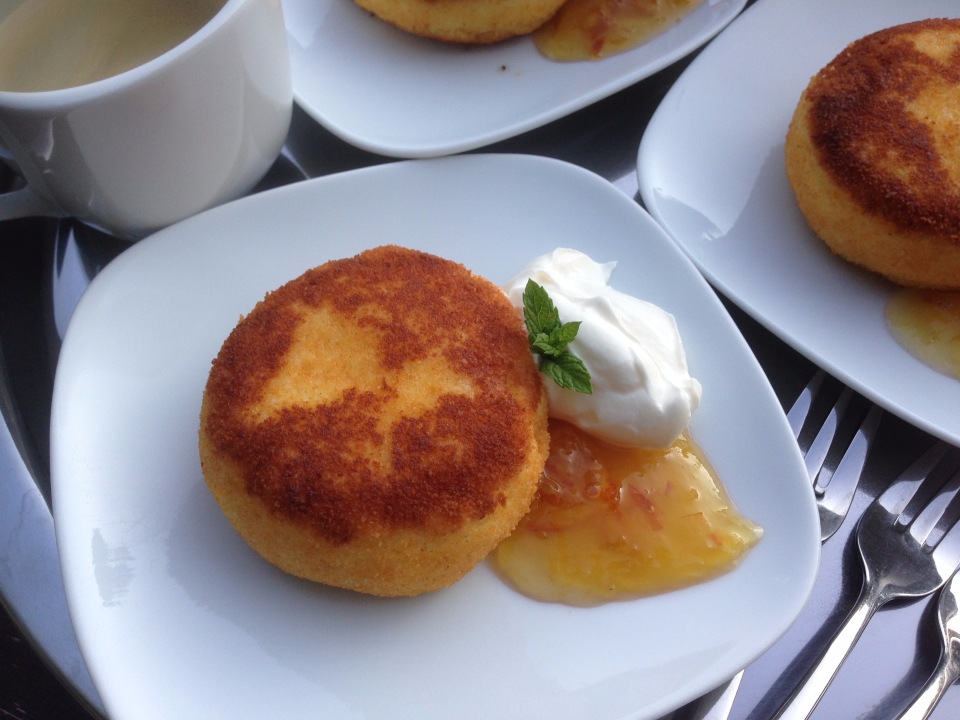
(41, 672)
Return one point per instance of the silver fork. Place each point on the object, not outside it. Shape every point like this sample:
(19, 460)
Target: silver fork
(948, 667)
(834, 428)
(909, 542)
(834, 447)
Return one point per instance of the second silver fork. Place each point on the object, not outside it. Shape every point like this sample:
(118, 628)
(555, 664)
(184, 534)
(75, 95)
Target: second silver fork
(909, 542)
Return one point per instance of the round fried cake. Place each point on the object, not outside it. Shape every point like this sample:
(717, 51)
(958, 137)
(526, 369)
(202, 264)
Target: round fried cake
(873, 153)
(473, 22)
(376, 424)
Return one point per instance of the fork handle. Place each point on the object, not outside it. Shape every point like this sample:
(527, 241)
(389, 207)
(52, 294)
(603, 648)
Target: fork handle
(948, 669)
(804, 698)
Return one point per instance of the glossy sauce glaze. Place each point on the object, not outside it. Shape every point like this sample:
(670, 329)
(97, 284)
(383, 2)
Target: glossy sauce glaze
(927, 324)
(595, 29)
(612, 523)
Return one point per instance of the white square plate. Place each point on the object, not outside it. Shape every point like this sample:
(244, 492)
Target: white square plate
(178, 618)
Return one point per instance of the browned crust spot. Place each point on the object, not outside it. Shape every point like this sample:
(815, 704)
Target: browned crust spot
(333, 466)
(870, 141)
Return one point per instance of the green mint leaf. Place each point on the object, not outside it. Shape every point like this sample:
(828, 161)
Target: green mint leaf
(565, 334)
(567, 371)
(539, 312)
(549, 339)
(543, 345)
(556, 341)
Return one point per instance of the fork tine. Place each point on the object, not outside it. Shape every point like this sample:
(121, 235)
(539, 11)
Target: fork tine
(814, 421)
(929, 501)
(903, 489)
(946, 554)
(834, 428)
(926, 500)
(802, 405)
(951, 513)
(856, 416)
(824, 418)
(932, 522)
(838, 479)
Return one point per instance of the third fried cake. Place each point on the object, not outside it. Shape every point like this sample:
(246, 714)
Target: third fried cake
(873, 153)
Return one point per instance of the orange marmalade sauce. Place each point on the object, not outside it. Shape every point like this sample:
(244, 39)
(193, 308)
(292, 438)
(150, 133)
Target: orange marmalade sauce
(594, 29)
(612, 523)
(927, 324)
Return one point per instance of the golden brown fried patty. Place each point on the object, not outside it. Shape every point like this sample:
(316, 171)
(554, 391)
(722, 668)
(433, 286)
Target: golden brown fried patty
(376, 424)
(873, 153)
(473, 22)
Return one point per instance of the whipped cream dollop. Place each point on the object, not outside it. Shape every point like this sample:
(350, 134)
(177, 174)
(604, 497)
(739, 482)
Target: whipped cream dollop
(643, 395)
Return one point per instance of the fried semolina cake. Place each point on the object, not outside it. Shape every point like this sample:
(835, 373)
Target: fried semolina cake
(873, 153)
(473, 22)
(377, 424)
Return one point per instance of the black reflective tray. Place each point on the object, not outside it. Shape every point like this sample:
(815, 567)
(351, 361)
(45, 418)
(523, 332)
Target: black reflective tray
(46, 264)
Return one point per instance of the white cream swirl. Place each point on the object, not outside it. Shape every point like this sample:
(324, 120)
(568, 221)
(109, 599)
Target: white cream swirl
(643, 395)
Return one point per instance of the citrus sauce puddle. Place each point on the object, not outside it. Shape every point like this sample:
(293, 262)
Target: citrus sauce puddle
(594, 29)
(927, 324)
(613, 523)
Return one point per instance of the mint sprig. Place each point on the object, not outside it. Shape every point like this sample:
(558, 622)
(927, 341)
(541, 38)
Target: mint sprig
(549, 339)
